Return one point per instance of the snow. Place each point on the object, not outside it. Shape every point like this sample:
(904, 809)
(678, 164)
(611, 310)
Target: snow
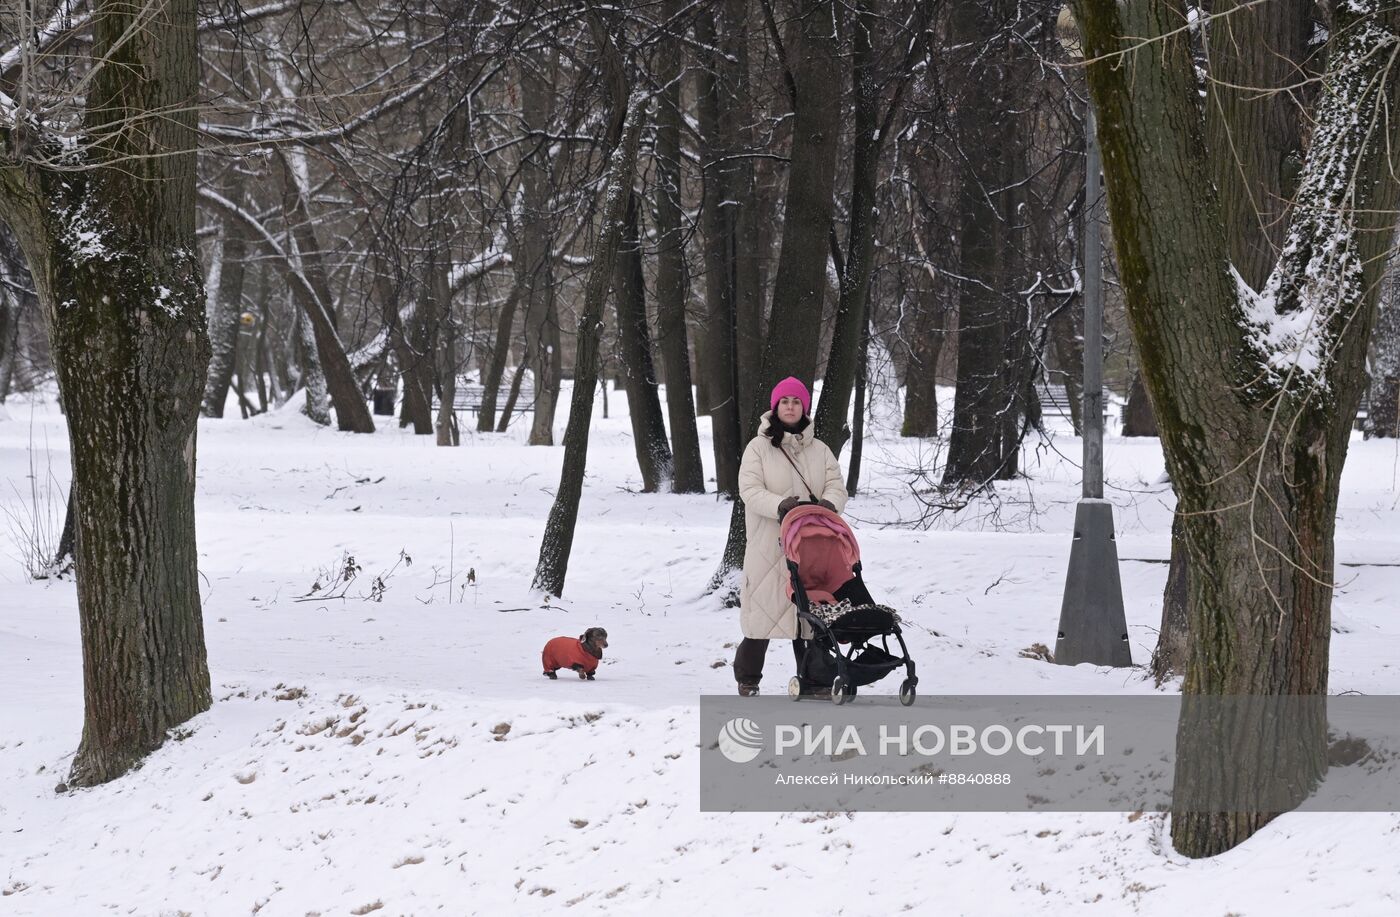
(407, 753)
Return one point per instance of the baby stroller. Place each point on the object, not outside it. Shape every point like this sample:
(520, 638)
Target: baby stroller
(823, 562)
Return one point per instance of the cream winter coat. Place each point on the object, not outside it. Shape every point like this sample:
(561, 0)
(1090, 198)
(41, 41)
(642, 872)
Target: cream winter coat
(766, 478)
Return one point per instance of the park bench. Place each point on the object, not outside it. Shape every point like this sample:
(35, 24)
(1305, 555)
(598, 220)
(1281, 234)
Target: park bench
(469, 395)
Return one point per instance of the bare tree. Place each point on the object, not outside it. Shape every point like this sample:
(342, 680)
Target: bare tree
(1258, 495)
(107, 225)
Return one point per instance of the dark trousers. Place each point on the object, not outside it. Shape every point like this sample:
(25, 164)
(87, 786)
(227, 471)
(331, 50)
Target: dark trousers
(749, 657)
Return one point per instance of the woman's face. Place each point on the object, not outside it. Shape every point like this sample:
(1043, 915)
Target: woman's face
(790, 409)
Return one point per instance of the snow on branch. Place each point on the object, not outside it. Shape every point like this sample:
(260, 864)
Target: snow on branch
(483, 263)
(1296, 322)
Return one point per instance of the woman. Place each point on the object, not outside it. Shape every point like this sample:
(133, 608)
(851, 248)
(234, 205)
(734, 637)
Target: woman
(783, 465)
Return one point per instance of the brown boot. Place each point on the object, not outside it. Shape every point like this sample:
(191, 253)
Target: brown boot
(748, 690)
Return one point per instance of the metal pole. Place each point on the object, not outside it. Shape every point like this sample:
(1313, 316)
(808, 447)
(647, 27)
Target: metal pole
(1092, 413)
(1093, 626)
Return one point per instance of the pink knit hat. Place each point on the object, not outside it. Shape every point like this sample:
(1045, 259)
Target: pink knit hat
(791, 387)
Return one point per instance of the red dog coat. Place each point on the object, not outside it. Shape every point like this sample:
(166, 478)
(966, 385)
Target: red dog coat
(567, 652)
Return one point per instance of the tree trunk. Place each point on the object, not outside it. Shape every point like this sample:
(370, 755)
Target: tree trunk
(314, 298)
(1384, 363)
(672, 285)
(850, 334)
(858, 425)
(11, 305)
(542, 340)
(1254, 437)
(112, 249)
(500, 352)
(445, 364)
(558, 538)
(1068, 346)
(921, 368)
(511, 397)
(313, 378)
(795, 320)
(226, 297)
(639, 373)
(1138, 419)
(1254, 131)
(748, 213)
(992, 345)
(1169, 658)
(717, 225)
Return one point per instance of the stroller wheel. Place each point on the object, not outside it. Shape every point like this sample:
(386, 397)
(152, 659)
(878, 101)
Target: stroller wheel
(906, 693)
(839, 692)
(794, 687)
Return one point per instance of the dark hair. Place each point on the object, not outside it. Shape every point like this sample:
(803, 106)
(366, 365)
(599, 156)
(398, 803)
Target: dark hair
(776, 428)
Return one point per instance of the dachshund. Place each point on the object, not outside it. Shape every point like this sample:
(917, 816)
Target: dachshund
(580, 654)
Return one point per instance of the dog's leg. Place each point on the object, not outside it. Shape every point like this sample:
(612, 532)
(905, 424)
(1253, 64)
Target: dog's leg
(551, 675)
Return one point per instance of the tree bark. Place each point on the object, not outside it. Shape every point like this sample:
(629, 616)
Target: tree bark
(553, 565)
(639, 372)
(858, 425)
(1254, 438)
(850, 333)
(226, 297)
(1254, 131)
(542, 339)
(113, 252)
(795, 320)
(511, 397)
(445, 355)
(717, 225)
(992, 345)
(500, 352)
(748, 212)
(1169, 657)
(316, 301)
(1139, 419)
(672, 284)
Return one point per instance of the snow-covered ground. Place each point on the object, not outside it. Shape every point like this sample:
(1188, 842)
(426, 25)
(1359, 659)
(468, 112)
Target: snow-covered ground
(404, 755)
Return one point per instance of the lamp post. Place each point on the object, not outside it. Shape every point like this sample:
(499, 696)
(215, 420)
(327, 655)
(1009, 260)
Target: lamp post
(1093, 626)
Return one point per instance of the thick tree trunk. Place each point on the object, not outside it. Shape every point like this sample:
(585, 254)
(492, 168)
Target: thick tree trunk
(558, 538)
(639, 373)
(1169, 657)
(1138, 419)
(748, 211)
(850, 333)
(717, 225)
(795, 321)
(1255, 436)
(993, 348)
(113, 252)
(543, 352)
(672, 283)
(1254, 131)
(921, 367)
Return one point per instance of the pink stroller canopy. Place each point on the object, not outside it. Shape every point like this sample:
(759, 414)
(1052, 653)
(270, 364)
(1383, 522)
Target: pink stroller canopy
(823, 547)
